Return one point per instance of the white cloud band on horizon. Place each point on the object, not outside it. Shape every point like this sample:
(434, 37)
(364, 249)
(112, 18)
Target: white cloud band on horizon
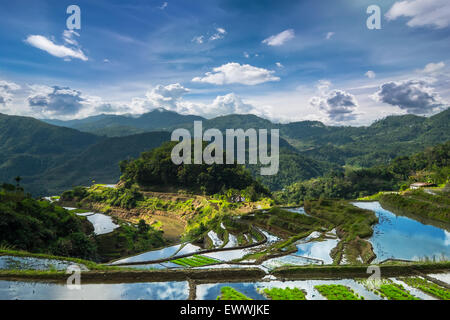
(6, 89)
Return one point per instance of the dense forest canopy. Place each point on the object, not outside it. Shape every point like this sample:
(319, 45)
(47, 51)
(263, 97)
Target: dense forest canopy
(156, 169)
(431, 165)
(40, 226)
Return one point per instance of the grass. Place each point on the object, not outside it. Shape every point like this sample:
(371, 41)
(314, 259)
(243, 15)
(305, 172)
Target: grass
(338, 292)
(419, 203)
(284, 294)
(228, 293)
(428, 287)
(80, 211)
(394, 291)
(195, 261)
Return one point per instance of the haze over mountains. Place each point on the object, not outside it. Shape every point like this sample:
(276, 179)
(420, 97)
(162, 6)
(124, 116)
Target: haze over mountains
(54, 155)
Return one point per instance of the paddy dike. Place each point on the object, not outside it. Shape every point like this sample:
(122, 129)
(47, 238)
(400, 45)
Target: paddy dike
(230, 274)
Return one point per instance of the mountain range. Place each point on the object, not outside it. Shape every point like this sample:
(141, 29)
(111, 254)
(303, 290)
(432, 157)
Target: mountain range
(53, 155)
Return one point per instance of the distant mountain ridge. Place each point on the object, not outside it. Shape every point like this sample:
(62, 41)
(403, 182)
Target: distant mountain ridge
(122, 125)
(52, 158)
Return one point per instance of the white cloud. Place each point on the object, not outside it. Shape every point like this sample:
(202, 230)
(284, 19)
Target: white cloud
(55, 101)
(59, 51)
(422, 12)
(280, 39)
(338, 105)
(66, 103)
(69, 37)
(434, 67)
(236, 73)
(414, 96)
(6, 89)
(279, 65)
(221, 32)
(171, 97)
(329, 35)
(199, 39)
(163, 5)
(370, 74)
(246, 55)
(218, 34)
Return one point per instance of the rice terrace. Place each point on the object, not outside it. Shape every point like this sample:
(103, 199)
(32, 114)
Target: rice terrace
(223, 158)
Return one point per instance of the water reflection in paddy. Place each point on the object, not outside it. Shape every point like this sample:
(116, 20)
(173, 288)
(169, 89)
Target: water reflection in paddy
(299, 210)
(32, 263)
(211, 291)
(317, 249)
(102, 223)
(175, 250)
(404, 238)
(12, 290)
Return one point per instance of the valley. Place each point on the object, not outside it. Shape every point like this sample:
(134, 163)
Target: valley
(139, 226)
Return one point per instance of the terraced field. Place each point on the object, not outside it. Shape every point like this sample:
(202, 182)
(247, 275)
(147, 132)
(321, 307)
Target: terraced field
(338, 292)
(284, 294)
(228, 293)
(428, 287)
(195, 261)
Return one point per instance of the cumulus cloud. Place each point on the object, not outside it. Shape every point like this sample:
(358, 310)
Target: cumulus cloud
(171, 97)
(166, 96)
(68, 51)
(434, 67)
(414, 96)
(6, 89)
(236, 73)
(66, 103)
(329, 35)
(434, 13)
(338, 105)
(279, 65)
(55, 101)
(280, 39)
(370, 74)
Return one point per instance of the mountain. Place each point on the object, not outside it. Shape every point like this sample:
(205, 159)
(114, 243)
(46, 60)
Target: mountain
(29, 146)
(98, 162)
(378, 143)
(122, 125)
(430, 165)
(52, 158)
(365, 146)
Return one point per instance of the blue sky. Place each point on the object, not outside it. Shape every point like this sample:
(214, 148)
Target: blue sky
(284, 60)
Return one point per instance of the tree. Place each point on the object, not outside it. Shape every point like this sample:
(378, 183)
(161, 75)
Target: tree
(143, 227)
(18, 179)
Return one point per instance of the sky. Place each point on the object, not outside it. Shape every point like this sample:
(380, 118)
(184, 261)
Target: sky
(282, 60)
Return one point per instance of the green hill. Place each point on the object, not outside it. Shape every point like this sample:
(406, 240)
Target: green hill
(120, 125)
(430, 165)
(29, 146)
(42, 227)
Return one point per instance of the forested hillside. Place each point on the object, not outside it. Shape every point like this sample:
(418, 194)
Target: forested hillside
(51, 159)
(431, 165)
